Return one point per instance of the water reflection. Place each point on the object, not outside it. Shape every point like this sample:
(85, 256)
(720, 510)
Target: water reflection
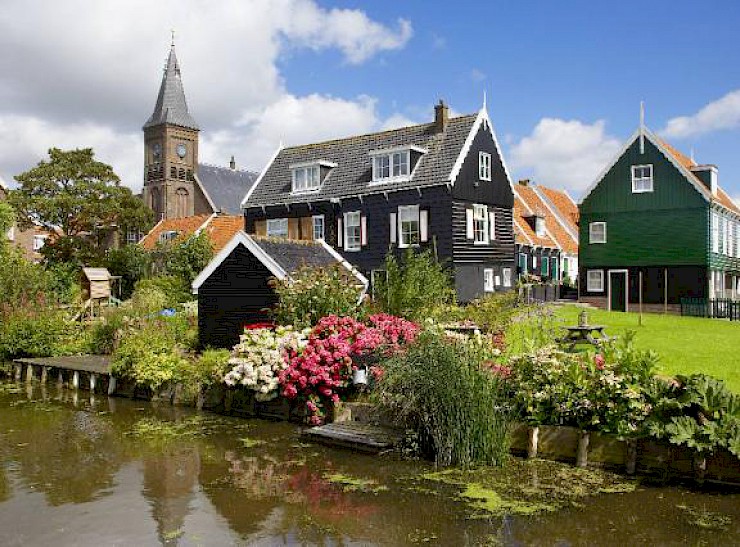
(115, 471)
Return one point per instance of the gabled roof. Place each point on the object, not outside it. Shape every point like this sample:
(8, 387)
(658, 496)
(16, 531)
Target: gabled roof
(185, 227)
(353, 173)
(96, 274)
(682, 162)
(224, 187)
(220, 229)
(171, 106)
(281, 257)
(523, 232)
(562, 220)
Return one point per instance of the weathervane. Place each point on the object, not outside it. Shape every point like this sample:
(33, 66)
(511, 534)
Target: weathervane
(172, 31)
(642, 127)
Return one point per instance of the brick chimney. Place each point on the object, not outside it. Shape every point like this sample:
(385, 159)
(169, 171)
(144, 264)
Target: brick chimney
(441, 115)
(708, 174)
(232, 164)
(524, 182)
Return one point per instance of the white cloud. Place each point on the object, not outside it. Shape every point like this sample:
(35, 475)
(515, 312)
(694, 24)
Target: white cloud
(477, 75)
(86, 73)
(397, 120)
(564, 153)
(724, 113)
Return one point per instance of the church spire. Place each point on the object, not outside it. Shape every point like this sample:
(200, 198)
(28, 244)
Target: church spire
(171, 107)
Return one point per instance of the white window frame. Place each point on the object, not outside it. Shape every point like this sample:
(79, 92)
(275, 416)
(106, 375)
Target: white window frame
(506, 275)
(133, 236)
(352, 239)
(306, 178)
(318, 227)
(484, 166)
(38, 242)
(714, 227)
(726, 236)
(539, 226)
(411, 214)
(488, 281)
(480, 224)
(595, 280)
(644, 183)
(168, 235)
(277, 227)
(393, 164)
(592, 235)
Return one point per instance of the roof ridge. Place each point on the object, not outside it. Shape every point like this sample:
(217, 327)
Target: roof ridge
(226, 167)
(374, 133)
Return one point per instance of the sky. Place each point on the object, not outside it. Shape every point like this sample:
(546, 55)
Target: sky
(563, 80)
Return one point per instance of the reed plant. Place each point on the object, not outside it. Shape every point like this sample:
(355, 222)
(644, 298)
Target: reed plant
(441, 389)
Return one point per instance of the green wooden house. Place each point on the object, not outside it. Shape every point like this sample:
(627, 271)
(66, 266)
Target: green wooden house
(655, 212)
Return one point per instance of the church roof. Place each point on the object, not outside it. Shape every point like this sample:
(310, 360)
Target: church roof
(171, 106)
(224, 186)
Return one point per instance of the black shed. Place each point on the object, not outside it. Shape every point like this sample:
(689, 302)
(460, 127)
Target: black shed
(234, 289)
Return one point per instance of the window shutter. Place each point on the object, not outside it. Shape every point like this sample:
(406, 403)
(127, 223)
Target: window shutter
(469, 224)
(339, 232)
(393, 227)
(424, 225)
(492, 224)
(363, 230)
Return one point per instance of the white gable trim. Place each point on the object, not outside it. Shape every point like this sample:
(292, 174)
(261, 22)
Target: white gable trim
(150, 232)
(262, 175)
(205, 224)
(649, 135)
(518, 196)
(240, 238)
(482, 117)
(556, 214)
(214, 209)
(365, 283)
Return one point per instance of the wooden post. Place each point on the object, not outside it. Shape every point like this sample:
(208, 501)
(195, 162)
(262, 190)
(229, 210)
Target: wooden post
(201, 399)
(93, 381)
(18, 372)
(76, 379)
(228, 400)
(640, 316)
(29, 373)
(60, 379)
(700, 468)
(111, 385)
(44, 374)
(582, 454)
(534, 439)
(665, 290)
(631, 463)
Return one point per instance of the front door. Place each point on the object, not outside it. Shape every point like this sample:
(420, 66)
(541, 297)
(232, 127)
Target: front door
(618, 291)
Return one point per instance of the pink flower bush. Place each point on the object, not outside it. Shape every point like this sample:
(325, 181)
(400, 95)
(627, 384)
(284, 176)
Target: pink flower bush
(324, 369)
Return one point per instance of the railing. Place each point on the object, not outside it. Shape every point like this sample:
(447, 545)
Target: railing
(538, 293)
(717, 308)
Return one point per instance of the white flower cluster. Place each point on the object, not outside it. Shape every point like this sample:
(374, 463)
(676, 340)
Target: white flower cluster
(259, 357)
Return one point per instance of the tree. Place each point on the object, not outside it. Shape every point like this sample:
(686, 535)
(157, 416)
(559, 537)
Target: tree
(7, 217)
(80, 199)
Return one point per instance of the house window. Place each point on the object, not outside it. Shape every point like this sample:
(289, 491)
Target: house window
(277, 227)
(714, 220)
(168, 235)
(391, 166)
(522, 263)
(539, 226)
(306, 179)
(642, 178)
(534, 262)
(545, 266)
(133, 236)
(352, 231)
(506, 272)
(480, 224)
(484, 166)
(409, 223)
(488, 280)
(597, 232)
(39, 242)
(318, 226)
(595, 281)
(726, 235)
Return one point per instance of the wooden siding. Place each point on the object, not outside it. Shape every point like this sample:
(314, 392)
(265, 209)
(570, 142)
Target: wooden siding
(683, 282)
(499, 250)
(540, 253)
(657, 238)
(237, 293)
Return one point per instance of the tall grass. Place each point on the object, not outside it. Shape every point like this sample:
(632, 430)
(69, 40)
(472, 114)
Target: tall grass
(440, 389)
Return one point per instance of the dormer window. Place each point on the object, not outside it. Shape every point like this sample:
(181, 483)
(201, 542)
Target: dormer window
(539, 226)
(168, 235)
(396, 164)
(307, 177)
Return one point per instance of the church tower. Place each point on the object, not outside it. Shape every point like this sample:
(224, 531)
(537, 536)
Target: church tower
(170, 149)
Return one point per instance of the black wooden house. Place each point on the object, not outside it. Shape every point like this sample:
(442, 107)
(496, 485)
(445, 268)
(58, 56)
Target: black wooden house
(442, 184)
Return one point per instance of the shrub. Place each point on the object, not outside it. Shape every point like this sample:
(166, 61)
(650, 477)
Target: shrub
(171, 288)
(132, 263)
(30, 334)
(183, 258)
(313, 293)
(413, 286)
(440, 389)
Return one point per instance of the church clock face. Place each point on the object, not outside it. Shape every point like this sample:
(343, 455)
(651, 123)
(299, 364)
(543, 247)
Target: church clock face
(181, 150)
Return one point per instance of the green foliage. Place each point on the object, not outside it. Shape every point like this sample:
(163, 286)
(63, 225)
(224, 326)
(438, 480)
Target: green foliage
(494, 312)
(413, 286)
(313, 293)
(183, 258)
(39, 333)
(80, 197)
(7, 219)
(440, 389)
(132, 263)
(157, 293)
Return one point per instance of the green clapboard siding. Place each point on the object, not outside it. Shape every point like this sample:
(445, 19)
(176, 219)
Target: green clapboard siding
(669, 226)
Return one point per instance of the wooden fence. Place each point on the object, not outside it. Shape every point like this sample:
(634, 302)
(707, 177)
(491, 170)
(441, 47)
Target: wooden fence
(717, 308)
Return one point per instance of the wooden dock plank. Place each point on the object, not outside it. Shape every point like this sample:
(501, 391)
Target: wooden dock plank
(363, 437)
(99, 364)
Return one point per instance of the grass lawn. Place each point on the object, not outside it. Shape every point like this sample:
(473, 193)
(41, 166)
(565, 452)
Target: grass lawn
(685, 344)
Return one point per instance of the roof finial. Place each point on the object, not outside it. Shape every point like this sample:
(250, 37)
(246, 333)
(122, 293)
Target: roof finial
(642, 127)
(692, 156)
(484, 98)
(172, 31)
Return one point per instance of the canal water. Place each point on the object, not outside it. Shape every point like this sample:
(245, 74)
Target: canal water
(76, 470)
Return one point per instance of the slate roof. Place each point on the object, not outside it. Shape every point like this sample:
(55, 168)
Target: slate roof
(353, 173)
(225, 186)
(291, 255)
(171, 106)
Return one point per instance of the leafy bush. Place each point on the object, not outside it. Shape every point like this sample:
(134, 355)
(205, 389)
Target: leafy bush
(132, 263)
(413, 286)
(314, 293)
(441, 389)
(160, 292)
(39, 333)
(183, 258)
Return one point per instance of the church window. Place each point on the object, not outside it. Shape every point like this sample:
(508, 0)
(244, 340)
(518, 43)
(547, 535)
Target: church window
(156, 203)
(173, 172)
(181, 202)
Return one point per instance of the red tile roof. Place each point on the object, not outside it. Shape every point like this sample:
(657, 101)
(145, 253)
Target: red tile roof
(524, 234)
(185, 227)
(222, 228)
(556, 236)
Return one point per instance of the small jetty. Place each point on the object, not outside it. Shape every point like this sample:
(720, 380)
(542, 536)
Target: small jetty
(70, 370)
(357, 436)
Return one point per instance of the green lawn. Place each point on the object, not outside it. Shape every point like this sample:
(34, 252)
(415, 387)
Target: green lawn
(685, 344)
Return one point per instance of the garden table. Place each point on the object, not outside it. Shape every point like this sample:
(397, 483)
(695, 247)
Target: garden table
(580, 334)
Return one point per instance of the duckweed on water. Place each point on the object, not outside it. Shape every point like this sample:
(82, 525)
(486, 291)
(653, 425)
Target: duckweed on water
(355, 484)
(528, 487)
(191, 426)
(702, 518)
(251, 443)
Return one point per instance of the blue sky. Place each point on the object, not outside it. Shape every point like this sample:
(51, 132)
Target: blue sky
(564, 78)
